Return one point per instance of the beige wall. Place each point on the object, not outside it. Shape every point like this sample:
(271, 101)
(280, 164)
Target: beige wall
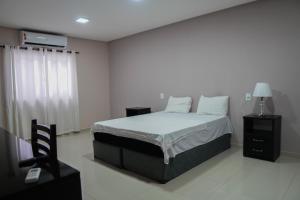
(93, 80)
(93, 76)
(224, 53)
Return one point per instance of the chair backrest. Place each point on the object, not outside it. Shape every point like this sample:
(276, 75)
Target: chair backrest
(43, 140)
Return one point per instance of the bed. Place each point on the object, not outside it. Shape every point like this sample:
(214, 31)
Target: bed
(161, 145)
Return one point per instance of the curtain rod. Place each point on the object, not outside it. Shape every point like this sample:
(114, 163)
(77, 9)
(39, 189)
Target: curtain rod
(38, 48)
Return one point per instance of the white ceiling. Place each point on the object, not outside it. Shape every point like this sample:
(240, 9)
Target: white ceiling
(109, 19)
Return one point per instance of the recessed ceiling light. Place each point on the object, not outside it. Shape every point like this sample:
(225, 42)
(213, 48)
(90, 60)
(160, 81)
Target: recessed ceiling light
(82, 20)
(137, 0)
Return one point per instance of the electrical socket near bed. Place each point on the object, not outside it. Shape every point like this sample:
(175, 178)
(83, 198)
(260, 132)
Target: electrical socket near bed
(248, 97)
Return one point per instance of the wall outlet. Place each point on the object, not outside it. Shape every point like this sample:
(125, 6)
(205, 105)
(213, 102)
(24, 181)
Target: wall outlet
(162, 95)
(248, 97)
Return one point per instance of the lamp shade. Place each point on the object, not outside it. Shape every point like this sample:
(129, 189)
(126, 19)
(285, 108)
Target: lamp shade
(262, 90)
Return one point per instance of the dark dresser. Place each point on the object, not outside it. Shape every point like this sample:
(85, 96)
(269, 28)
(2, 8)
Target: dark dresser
(262, 136)
(12, 177)
(137, 111)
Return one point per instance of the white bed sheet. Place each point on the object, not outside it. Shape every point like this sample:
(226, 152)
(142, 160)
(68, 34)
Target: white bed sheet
(173, 132)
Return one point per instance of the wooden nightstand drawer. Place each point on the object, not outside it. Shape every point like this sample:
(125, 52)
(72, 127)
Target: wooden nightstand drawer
(262, 150)
(258, 139)
(259, 151)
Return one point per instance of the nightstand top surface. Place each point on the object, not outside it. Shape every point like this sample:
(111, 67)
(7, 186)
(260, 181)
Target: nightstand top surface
(137, 108)
(255, 116)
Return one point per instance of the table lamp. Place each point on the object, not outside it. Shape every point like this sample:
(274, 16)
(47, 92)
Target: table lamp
(262, 90)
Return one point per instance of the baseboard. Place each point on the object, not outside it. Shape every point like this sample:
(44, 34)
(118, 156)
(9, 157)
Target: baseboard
(291, 154)
(236, 145)
(285, 153)
(70, 133)
(85, 129)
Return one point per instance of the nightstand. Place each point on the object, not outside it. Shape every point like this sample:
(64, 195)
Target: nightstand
(137, 111)
(262, 136)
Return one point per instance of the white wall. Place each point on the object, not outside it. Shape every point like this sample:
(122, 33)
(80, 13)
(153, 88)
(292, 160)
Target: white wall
(224, 53)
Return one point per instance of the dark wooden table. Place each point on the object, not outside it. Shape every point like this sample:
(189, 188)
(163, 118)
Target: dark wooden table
(12, 186)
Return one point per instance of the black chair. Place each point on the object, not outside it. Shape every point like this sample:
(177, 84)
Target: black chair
(44, 148)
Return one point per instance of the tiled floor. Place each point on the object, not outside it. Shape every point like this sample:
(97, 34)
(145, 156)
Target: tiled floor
(227, 176)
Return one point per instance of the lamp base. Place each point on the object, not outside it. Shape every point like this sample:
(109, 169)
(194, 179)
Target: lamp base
(261, 103)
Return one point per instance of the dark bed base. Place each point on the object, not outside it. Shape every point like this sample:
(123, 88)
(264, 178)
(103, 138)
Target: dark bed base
(147, 159)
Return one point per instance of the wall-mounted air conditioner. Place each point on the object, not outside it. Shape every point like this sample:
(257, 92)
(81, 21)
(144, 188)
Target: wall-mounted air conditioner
(43, 39)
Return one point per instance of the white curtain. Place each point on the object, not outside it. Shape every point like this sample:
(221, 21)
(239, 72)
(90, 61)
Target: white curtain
(40, 85)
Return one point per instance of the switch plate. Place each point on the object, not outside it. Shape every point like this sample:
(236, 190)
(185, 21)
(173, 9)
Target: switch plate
(162, 95)
(248, 97)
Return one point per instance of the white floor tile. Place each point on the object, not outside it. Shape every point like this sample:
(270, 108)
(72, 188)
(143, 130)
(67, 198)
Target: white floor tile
(227, 176)
(265, 180)
(293, 192)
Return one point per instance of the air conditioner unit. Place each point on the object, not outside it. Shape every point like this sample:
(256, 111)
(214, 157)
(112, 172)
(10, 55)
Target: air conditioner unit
(43, 39)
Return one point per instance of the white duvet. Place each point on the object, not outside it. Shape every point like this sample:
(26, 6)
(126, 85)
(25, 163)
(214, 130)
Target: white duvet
(173, 132)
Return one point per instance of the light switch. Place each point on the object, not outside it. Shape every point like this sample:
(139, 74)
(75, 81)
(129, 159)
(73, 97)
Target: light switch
(162, 95)
(248, 97)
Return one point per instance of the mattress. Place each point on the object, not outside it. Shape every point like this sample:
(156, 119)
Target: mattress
(174, 133)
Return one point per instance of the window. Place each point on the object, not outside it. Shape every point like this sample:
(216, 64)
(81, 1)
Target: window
(41, 85)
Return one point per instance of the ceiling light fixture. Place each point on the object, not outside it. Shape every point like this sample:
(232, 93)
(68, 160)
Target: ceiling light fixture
(82, 20)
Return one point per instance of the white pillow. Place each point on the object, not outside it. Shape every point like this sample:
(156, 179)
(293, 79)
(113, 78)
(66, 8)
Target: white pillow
(179, 104)
(213, 105)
